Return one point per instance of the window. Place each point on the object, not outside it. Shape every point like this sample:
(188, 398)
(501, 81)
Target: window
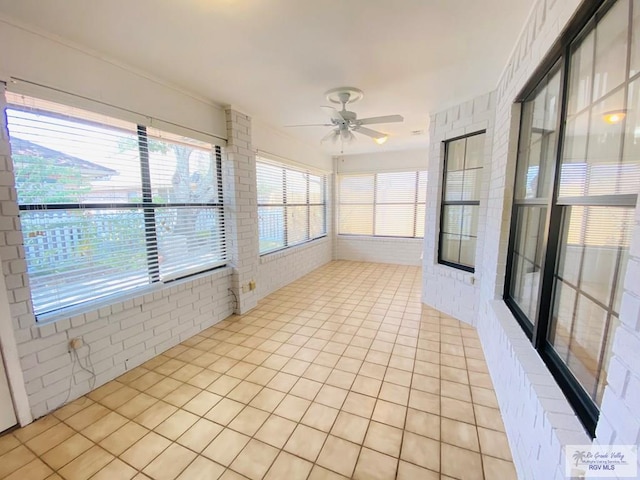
(107, 206)
(383, 204)
(291, 206)
(576, 189)
(463, 159)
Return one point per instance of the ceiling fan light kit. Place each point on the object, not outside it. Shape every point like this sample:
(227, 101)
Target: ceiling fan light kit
(345, 122)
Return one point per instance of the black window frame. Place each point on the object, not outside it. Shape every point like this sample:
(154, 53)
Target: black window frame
(559, 57)
(444, 203)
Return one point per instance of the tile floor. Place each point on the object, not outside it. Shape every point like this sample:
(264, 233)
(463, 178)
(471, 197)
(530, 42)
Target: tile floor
(342, 374)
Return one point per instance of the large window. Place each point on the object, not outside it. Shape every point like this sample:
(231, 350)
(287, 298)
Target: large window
(383, 204)
(577, 182)
(107, 206)
(463, 159)
(291, 206)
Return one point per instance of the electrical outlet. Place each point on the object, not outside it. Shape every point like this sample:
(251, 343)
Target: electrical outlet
(252, 285)
(75, 343)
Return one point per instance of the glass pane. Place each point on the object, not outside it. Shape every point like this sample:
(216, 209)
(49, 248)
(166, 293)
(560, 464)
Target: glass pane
(581, 75)
(525, 282)
(611, 50)
(472, 184)
(317, 223)
(74, 256)
(296, 187)
(470, 215)
(420, 217)
(395, 220)
(576, 136)
(452, 216)
(271, 228)
(71, 159)
(356, 220)
(270, 184)
(356, 189)
(630, 169)
(450, 248)
(181, 173)
(604, 368)
(468, 251)
(635, 40)
(454, 186)
(297, 225)
(316, 189)
(475, 151)
(399, 187)
(455, 155)
(189, 240)
(422, 186)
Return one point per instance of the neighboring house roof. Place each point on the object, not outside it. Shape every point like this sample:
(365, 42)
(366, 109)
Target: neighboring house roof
(86, 168)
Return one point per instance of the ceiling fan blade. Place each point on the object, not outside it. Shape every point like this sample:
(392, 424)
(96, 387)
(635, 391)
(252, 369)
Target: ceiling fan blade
(383, 119)
(311, 125)
(369, 133)
(334, 115)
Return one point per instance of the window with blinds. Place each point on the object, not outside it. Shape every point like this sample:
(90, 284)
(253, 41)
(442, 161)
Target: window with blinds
(291, 206)
(107, 206)
(388, 204)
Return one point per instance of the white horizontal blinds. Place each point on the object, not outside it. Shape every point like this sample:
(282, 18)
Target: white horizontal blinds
(291, 205)
(86, 204)
(187, 194)
(390, 204)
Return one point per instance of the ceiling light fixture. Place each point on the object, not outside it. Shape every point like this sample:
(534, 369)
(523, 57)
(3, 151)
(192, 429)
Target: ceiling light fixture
(381, 140)
(614, 117)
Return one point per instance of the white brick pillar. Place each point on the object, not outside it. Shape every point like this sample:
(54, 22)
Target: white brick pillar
(241, 210)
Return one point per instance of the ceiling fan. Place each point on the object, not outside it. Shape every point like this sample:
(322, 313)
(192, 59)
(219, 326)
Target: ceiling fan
(344, 122)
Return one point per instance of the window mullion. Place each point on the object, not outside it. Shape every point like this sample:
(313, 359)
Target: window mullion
(285, 207)
(150, 234)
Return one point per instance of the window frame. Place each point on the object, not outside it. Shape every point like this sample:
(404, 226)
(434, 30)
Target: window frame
(146, 205)
(285, 205)
(374, 203)
(444, 203)
(589, 14)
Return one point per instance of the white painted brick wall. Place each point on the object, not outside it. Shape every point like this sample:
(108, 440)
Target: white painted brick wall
(538, 419)
(401, 251)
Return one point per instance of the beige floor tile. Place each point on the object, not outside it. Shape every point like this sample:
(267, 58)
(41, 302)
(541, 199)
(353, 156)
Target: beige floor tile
(104, 390)
(394, 393)
(203, 379)
(319, 373)
(389, 413)
(200, 435)
(460, 434)
(425, 383)
(320, 417)
(409, 471)
(224, 411)
(249, 420)
(341, 379)
(170, 463)
(497, 468)
(141, 453)
(136, 405)
(421, 451)
(244, 392)
(462, 464)
(182, 395)
(484, 396)
(276, 431)
(339, 455)
(283, 382)
(384, 439)
(423, 423)
(223, 385)
(261, 375)
(426, 402)
(457, 410)
(87, 464)
(373, 370)
(176, 424)
(254, 461)
(73, 408)
(320, 473)
(7, 443)
(350, 427)
(36, 428)
(202, 469)
(66, 451)
(155, 415)
(104, 427)
(488, 417)
(47, 439)
(117, 469)
(494, 443)
(331, 396)
(119, 397)
(241, 370)
(455, 390)
(292, 407)
(366, 385)
(123, 438)
(305, 442)
(226, 446)
(373, 465)
(267, 400)
(289, 467)
(306, 388)
(397, 377)
(202, 403)
(163, 388)
(36, 469)
(359, 404)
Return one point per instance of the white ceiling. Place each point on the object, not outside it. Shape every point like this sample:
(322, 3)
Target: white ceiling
(274, 59)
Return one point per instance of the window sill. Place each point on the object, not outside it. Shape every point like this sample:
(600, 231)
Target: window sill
(283, 252)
